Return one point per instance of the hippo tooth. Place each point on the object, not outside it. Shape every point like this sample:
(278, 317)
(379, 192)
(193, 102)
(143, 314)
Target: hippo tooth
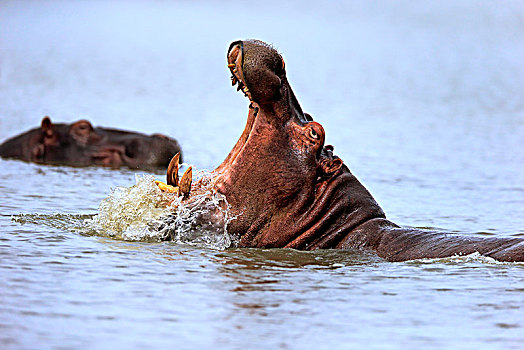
(185, 182)
(233, 81)
(166, 188)
(231, 65)
(172, 170)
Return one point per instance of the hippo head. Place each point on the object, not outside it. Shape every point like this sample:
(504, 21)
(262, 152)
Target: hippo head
(81, 144)
(285, 186)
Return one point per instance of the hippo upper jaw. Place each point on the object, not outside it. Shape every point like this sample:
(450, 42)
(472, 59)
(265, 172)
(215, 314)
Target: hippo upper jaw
(259, 71)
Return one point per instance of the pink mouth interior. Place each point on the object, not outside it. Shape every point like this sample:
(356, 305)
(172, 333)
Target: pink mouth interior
(237, 149)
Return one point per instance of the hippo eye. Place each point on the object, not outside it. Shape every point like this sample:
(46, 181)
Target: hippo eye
(82, 128)
(313, 134)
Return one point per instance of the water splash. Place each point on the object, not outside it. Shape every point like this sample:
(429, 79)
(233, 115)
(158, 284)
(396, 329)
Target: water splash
(67, 222)
(144, 213)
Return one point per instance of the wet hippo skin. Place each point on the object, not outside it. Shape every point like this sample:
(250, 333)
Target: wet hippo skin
(289, 190)
(81, 144)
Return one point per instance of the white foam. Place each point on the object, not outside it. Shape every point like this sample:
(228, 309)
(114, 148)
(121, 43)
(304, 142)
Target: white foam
(470, 258)
(144, 213)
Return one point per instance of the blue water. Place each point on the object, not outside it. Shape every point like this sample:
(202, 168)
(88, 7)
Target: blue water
(423, 101)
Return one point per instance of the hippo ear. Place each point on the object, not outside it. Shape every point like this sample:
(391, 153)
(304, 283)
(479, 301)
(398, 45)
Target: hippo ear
(47, 127)
(47, 137)
(331, 166)
(50, 136)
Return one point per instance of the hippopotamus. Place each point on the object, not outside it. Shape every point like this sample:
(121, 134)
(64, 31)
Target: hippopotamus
(287, 189)
(80, 144)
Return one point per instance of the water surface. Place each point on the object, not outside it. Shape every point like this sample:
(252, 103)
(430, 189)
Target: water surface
(423, 101)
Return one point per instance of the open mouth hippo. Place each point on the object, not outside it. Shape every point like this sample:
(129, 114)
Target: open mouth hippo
(288, 190)
(80, 144)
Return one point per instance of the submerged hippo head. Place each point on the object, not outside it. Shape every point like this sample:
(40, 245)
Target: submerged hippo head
(285, 186)
(80, 144)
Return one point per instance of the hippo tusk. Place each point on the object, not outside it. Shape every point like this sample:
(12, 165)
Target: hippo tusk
(231, 65)
(185, 182)
(166, 188)
(172, 171)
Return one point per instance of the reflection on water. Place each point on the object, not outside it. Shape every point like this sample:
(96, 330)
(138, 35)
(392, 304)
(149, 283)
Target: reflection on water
(422, 100)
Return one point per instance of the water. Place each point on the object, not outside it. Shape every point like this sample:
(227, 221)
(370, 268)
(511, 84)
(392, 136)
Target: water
(422, 100)
(145, 213)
